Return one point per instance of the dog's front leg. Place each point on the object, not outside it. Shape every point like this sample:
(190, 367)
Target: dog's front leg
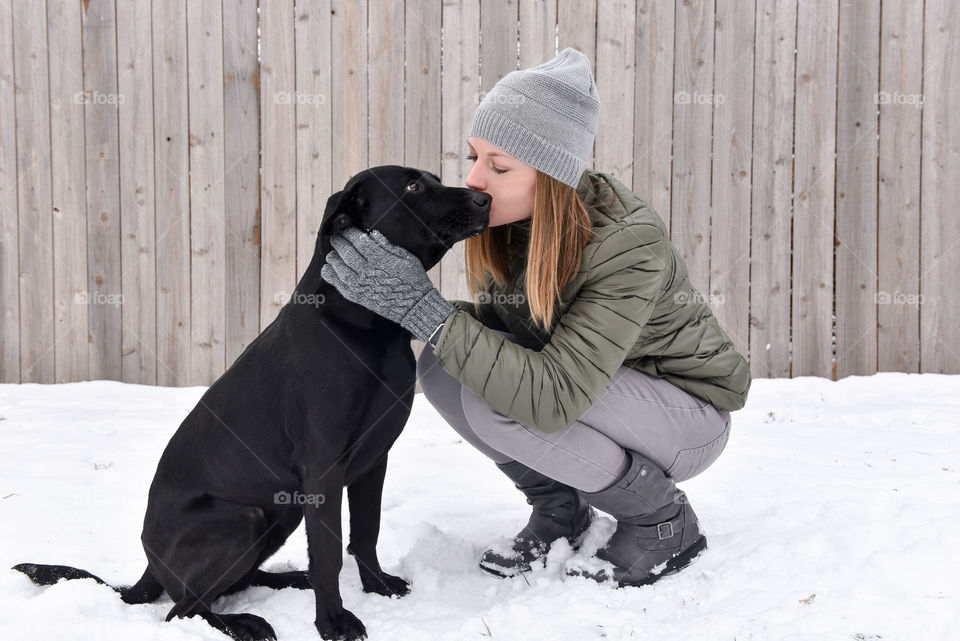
(323, 489)
(365, 497)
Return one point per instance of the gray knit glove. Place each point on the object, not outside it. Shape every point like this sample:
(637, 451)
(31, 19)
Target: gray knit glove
(369, 270)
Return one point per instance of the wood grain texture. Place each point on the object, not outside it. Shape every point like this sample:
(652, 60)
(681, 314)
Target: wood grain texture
(314, 171)
(68, 184)
(940, 191)
(241, 181)
(138, 256)
(729, 290)
(771, 201)
(898, 189)
(9, 223)
(278, 153)
(693, 100)
(813, 192)
(35, 225)
(102, 161)
(207, 228)
(172, 201)
(858, 80)
(653, 104)
(615, 72)
(166, 165)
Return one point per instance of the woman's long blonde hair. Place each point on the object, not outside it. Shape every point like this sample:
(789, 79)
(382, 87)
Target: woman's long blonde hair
(559, 230)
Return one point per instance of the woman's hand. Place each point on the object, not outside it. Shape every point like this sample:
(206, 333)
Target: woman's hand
(369, 270)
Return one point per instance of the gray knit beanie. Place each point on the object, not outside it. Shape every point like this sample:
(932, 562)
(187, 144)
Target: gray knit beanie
(545, 116)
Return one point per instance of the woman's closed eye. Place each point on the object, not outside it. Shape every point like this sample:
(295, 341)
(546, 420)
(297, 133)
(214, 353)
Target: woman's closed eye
(499, 171)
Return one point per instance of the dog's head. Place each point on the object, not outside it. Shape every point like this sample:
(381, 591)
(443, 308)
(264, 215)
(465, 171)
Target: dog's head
(410, 207)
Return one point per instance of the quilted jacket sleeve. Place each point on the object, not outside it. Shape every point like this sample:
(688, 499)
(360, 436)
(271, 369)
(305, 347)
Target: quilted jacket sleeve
(552, 388)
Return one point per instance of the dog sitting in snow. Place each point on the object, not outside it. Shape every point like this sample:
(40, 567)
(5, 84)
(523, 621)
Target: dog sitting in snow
(311, 406)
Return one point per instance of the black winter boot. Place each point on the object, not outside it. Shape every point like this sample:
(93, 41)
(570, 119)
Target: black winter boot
(558, 511)
(657, 531)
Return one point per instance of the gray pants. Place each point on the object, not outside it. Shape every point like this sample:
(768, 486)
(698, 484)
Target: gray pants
(678, 431)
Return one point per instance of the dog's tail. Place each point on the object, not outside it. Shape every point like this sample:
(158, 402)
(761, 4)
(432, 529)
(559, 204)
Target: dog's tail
(146, 590)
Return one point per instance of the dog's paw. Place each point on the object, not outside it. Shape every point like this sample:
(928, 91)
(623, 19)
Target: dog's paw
(242, 627)
(341, 626)
(385, 584)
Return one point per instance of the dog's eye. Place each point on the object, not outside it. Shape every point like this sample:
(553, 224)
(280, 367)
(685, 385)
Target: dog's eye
(414, 186)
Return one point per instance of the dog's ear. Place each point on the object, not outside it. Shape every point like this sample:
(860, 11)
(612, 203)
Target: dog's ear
(343, 210)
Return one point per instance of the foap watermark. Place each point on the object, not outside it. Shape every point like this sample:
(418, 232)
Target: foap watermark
(93, 97)
(697, 98)
(299, 298)
(898, 298)
(298, 98)
(298, 498)
(694, 296)
(897, 98)
(499, 98)
(514, 300)
(97, 298)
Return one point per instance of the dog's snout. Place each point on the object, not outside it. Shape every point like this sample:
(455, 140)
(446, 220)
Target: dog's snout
(481, 200)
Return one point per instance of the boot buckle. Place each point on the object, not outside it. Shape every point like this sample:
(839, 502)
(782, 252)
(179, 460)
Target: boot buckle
(663, 529)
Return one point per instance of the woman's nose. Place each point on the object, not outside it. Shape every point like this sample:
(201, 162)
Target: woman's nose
(472, 181)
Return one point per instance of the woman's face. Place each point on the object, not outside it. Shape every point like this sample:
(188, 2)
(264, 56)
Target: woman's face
(511, 183)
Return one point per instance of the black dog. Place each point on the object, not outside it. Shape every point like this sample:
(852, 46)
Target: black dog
(313, 404)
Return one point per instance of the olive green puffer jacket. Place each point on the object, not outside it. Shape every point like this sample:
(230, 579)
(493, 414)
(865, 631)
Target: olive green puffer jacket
(629, 304)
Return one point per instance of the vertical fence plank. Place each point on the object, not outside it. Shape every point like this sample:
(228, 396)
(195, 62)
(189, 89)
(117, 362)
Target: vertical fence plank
(103, 187)
(349, 104)
(814, 178)
(940, 190)
(387, 115)
(653, 104)
(68, 190)
(577, 28)
(137, 197)
(498, 44)
(770, 219)
(898, 216)
(421, 146)
(33, 181)
(692, 123)
(9, 245)
(278, 195)
(732, 145)
(314, 185)
(460, 96)
(615, 74)
(538, 31)
(313, 62)
(241, 182)
(172, 191)
(858, 79)
(207, 231)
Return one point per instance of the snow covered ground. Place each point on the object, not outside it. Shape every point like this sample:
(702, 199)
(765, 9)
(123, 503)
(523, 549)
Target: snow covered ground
(833, 513)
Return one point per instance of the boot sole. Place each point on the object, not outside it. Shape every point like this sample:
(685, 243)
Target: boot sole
(674, 564)
(575, 545)
(495, 571)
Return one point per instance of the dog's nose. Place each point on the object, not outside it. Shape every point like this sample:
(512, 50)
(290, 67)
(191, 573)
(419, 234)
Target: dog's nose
(481, 200)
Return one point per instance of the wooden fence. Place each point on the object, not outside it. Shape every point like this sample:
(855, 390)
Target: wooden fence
(164, 165)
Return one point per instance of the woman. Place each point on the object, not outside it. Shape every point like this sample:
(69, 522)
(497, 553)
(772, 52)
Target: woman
(591, 372)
